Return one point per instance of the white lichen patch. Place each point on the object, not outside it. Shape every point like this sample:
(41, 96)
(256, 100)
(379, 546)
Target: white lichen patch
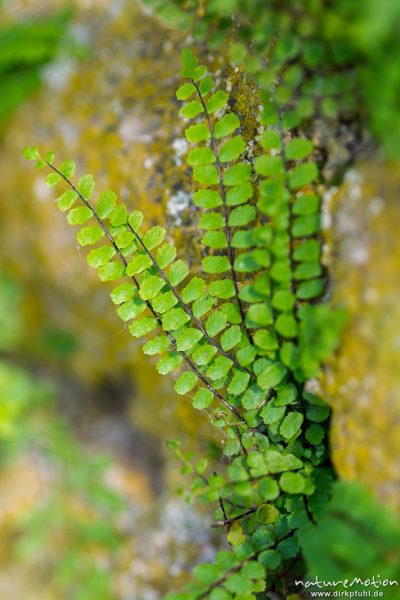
(180, 148)
(177, 205)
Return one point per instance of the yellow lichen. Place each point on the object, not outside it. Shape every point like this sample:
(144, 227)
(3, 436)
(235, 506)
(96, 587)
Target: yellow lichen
(362, 384)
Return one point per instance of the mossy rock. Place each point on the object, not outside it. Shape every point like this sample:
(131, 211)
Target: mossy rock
(362, 384)
(115, 113)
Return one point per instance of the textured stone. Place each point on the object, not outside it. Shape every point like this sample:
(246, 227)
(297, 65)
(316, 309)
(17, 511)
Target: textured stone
(362, 382)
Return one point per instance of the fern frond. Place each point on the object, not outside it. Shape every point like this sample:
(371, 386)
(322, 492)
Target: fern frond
(288, 199)
(249, 338)
(212, 166)
(147, 292)
(178, 270)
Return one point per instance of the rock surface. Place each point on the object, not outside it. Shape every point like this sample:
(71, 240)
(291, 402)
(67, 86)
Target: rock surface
(363, 381)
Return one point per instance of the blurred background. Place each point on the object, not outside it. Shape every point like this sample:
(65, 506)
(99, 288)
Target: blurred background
(88, 502)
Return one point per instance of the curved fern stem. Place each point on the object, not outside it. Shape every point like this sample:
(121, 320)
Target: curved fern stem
(231, 256)
(171, 338)
(186, 307)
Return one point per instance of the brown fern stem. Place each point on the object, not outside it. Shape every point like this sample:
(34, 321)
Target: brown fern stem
(228, 521)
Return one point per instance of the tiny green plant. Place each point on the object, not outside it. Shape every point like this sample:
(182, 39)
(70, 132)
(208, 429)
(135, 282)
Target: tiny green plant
(241, 341)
